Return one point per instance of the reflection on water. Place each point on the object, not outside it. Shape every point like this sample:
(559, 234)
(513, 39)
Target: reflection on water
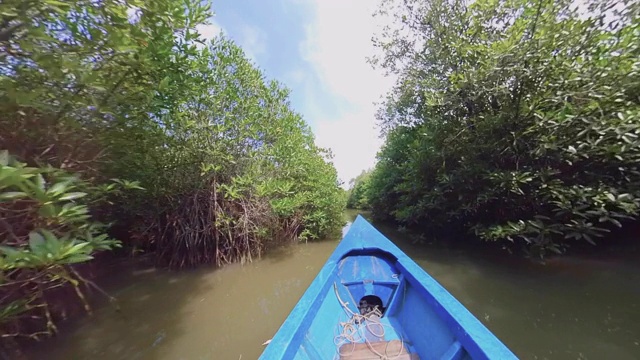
(572, 309)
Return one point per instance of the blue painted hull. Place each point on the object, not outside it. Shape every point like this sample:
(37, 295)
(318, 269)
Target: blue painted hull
(371, 301)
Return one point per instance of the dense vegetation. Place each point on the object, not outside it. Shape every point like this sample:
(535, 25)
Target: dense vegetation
(511, 119)
(357, 195)
(117, 113)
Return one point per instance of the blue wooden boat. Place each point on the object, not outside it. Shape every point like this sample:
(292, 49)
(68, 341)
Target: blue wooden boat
(371, 301)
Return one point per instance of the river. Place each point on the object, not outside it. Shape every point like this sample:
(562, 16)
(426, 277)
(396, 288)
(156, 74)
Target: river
(572, 308)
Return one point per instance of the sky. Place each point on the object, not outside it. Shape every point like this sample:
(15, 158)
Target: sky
(318, 49)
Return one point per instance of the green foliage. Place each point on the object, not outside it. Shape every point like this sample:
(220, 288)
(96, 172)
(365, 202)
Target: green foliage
(129, 89)
(358, 191)
(217, 164)
(514, 120)
(233, 137)
(44, 226)
(214, 164)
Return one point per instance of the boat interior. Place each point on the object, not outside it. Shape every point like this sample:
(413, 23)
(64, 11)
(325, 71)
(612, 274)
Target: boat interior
(373, 308)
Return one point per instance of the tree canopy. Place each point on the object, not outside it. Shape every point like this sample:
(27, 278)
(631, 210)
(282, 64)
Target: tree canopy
(511, 119)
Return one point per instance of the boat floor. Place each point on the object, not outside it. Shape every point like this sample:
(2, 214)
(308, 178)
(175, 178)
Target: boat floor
(393, 345)
(393, 349)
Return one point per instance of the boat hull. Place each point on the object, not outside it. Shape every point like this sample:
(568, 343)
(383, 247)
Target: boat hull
(371, 301)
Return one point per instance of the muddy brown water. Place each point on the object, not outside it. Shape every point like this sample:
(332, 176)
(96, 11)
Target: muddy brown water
(572, 308)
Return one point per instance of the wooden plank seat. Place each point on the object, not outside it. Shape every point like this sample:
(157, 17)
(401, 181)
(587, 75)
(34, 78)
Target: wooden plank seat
(393, 349)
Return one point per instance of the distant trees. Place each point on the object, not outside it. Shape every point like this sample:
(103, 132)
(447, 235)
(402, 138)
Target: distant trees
(118, 112)
(513, 120)
(358, 197)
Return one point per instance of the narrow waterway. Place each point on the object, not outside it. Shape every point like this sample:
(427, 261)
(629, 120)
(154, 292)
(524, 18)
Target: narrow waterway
(572, 308)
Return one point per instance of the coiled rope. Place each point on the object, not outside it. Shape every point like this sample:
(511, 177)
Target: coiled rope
(350, 332)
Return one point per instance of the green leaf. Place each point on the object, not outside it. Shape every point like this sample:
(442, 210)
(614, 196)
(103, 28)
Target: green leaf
(57, 188)
(73, 195)
(57, 3)
(13, 309)
(47, 210)
(10, 251)
(77, 258)
(39, 181)
(35, 240)
(12, 195)
(164, 83)
(588, 239)
(616, 222)
(77, 248)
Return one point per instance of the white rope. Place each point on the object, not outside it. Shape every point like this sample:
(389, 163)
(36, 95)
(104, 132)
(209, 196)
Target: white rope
(351, 332)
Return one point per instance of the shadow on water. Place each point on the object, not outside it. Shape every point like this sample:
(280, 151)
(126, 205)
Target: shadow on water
(146, 317)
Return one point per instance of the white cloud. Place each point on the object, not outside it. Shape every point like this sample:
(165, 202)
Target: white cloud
(251, 39)
(336, 46)
(253, 42)
(209, 31)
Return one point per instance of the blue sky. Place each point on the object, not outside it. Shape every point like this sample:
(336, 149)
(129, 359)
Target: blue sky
(318, 49)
